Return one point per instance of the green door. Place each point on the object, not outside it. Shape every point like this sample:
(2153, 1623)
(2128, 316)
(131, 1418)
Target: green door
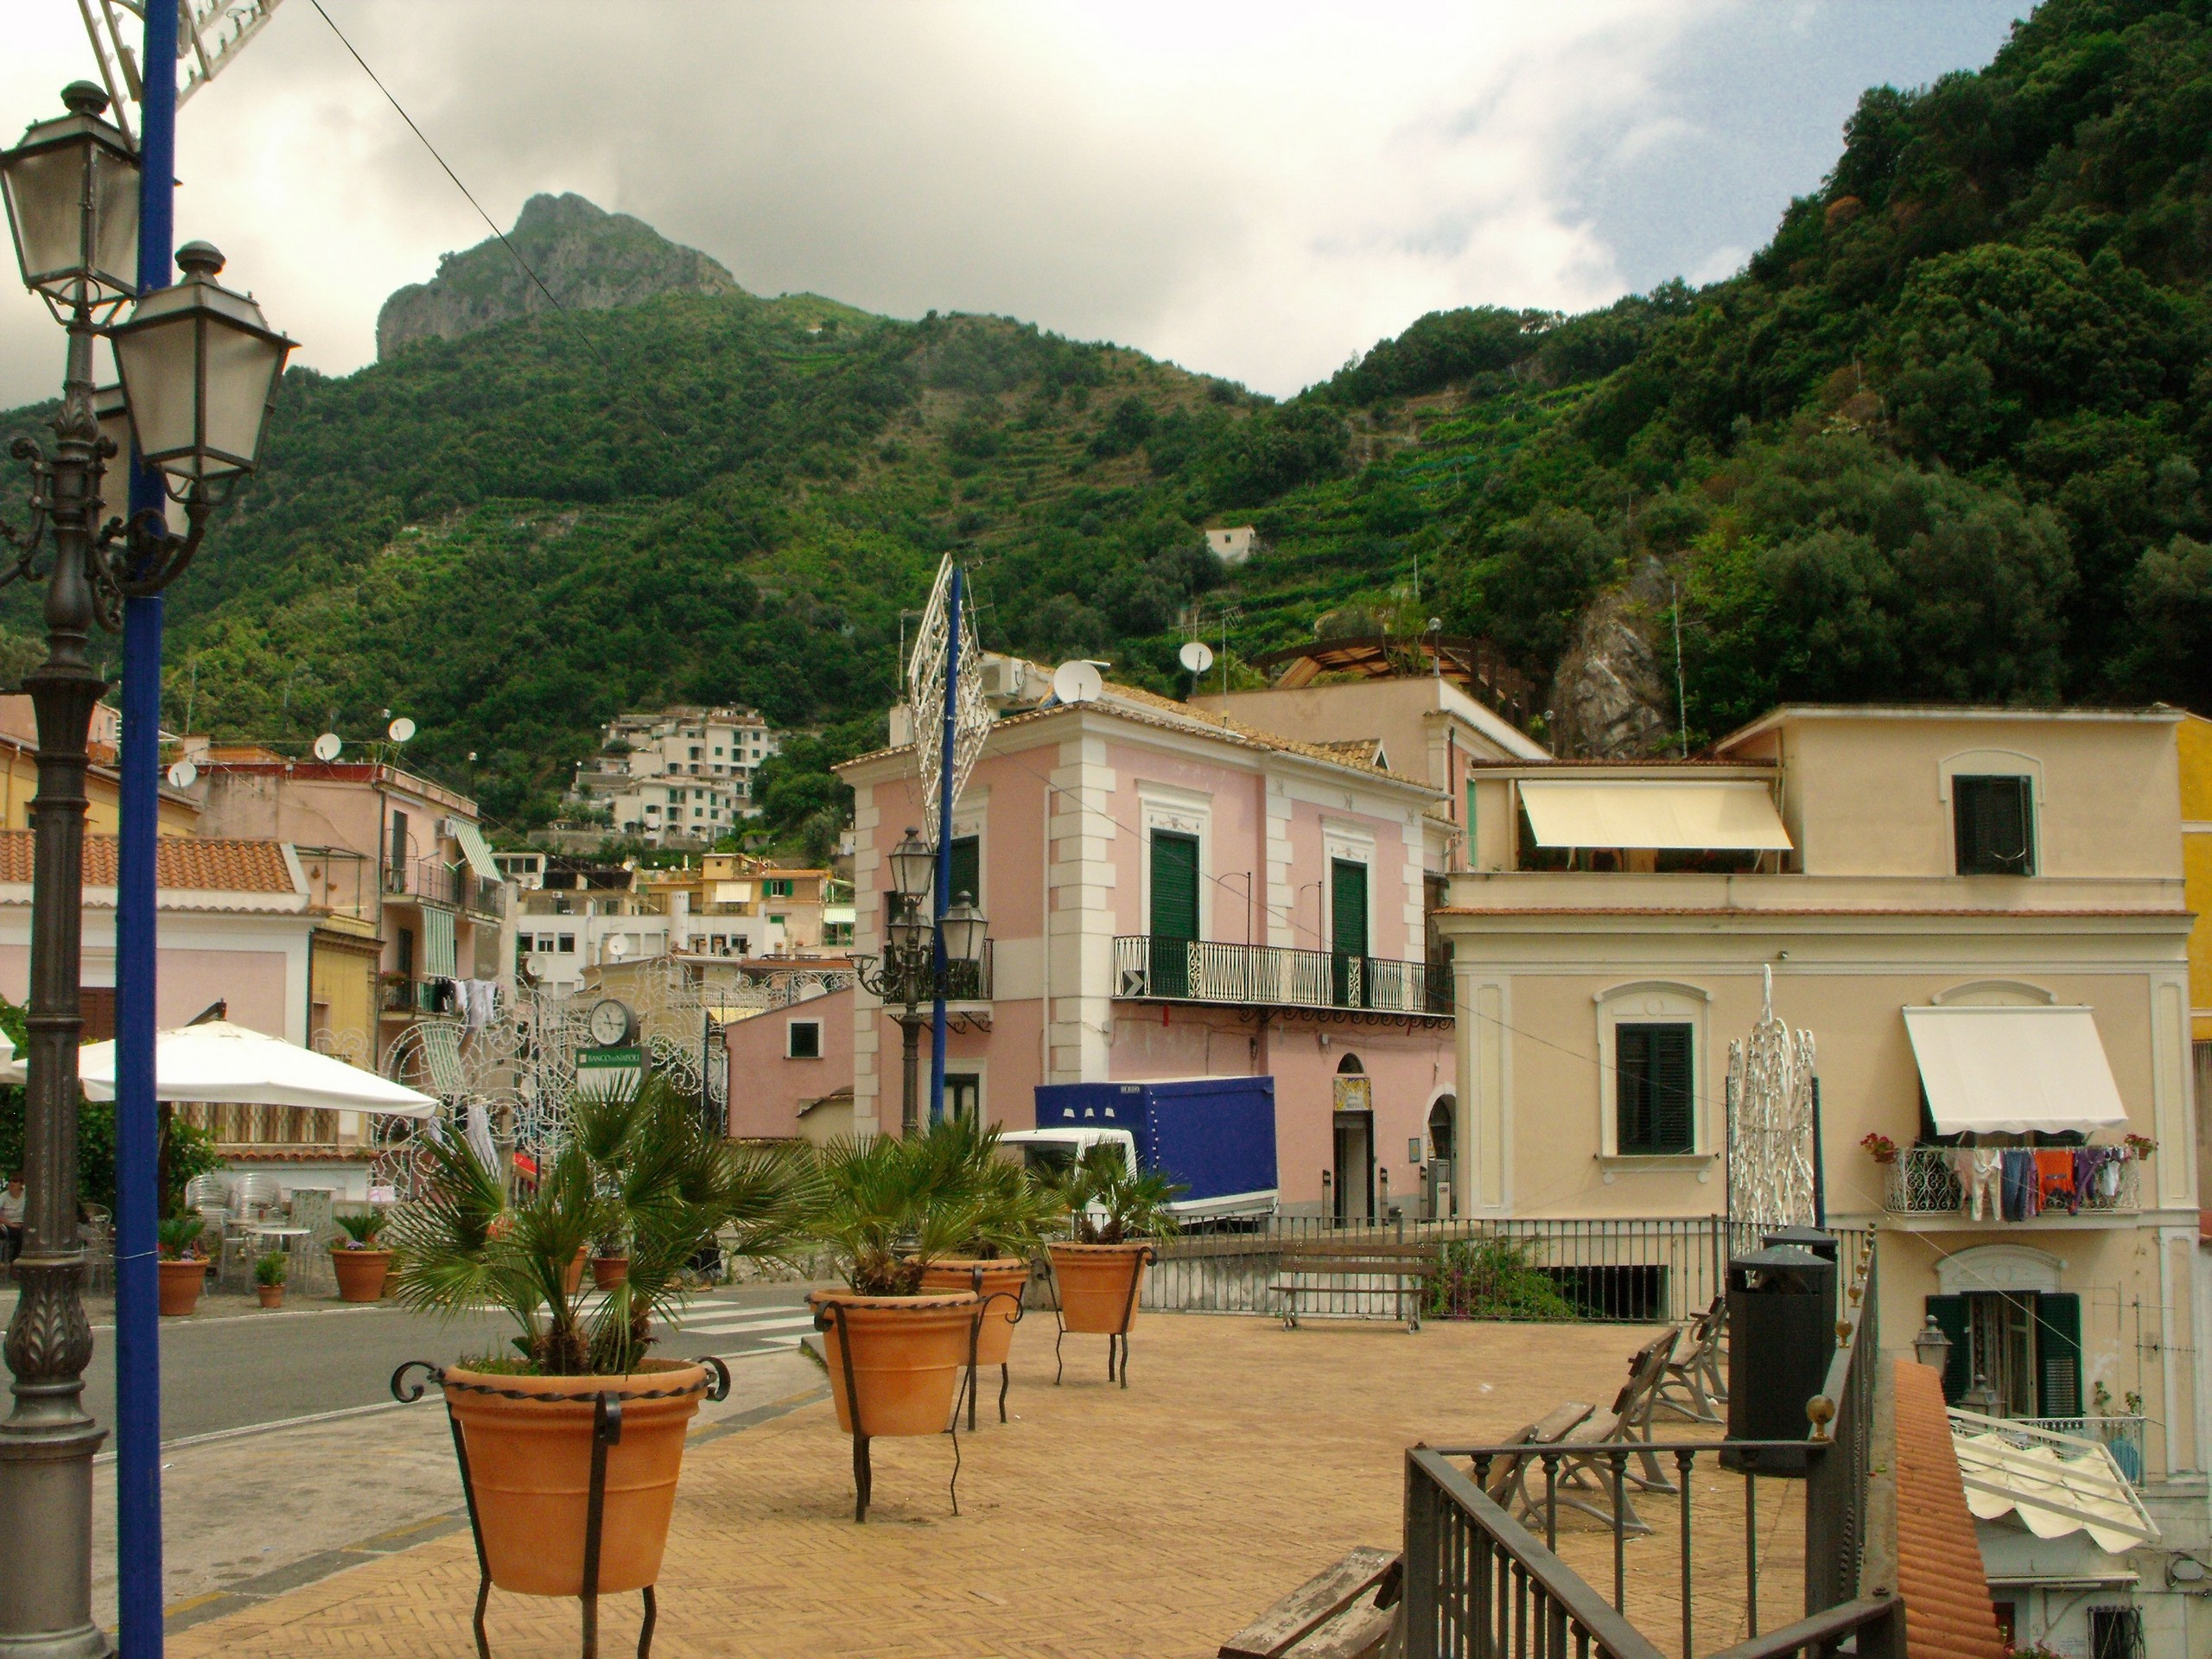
(1347, 931)
(1174, 911)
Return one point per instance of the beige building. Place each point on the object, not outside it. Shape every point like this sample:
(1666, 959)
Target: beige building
(1978, 914)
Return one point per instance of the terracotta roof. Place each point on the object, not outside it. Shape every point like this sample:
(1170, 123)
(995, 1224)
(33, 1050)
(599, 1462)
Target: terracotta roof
(182, 863)
(1947, 1610)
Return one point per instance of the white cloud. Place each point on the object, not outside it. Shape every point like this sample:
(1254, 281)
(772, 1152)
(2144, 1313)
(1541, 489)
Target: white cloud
(1254, 190)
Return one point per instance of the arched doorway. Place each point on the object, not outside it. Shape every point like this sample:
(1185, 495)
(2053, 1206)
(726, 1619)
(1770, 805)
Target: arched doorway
(1352, 1176)
(1439, 1189)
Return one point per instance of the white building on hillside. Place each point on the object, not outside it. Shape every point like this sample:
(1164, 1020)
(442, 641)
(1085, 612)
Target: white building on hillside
(683, 775)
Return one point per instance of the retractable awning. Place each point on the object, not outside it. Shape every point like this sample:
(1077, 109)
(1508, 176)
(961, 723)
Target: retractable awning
(476, 850)
(236, 1065)
(2013, 1070)
(2056, 1484)
(1718, 816)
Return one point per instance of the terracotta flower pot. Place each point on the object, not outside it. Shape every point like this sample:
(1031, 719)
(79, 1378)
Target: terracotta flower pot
(1099, 1285)
(575, 1275)
(360, 1274)
(529, 1464)
(608, 1271)
(1003, 1278)
(908, 1352)
(182, 1282)
(271, 1295)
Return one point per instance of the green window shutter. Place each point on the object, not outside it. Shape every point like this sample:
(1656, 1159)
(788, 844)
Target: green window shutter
(2059, 1355)
(1654, 1088)
(1347, 907)
(967, 870)
(1470, 825)
(1949, 1314)
(1993, 819)
(1174, 886)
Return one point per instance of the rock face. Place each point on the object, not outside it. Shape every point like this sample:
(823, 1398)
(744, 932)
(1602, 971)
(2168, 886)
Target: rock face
(591, 259)
(1613, 694)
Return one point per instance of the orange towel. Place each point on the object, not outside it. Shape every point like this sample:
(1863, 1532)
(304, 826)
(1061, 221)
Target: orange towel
(2055, 1177)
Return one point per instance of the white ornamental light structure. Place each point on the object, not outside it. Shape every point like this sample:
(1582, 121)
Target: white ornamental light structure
(1772, 1122)
(925, 696)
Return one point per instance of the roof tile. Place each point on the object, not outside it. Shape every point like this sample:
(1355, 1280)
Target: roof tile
(1940, 1574)
(182, 863)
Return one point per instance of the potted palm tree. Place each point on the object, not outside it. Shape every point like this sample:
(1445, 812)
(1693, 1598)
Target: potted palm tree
(887, 1209)
(1013, 1214)
(1115, 1211)
(183, 1268)
(526, 1416)
(268, 1272)
(361, 1263)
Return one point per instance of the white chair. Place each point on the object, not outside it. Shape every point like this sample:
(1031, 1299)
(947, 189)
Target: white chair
(258, 1196)
(207, 1193)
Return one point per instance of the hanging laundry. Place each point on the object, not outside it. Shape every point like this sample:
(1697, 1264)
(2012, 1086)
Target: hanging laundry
(1984, 1179)
(2055, 1179)
(2019, 1184)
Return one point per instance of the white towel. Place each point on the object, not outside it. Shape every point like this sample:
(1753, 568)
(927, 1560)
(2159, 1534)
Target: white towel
(480, 1135)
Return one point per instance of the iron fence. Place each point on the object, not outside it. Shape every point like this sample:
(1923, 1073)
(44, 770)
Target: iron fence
(1622, 1270)
(2121, 1436)
(1926, 1181)
(1150, 968)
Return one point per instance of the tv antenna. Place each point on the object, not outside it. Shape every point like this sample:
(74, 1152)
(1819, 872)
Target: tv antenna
(210, 34)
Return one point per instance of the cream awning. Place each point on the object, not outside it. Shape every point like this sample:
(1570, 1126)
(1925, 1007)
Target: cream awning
(2013, 1070)
(476, 850)
(1718, 817)
(2056, 1484)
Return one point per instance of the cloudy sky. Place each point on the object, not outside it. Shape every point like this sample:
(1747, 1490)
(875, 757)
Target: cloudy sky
(1255, 190)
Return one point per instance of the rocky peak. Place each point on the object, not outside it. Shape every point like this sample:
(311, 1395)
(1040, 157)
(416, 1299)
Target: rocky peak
(591, 259)
(1613, 693)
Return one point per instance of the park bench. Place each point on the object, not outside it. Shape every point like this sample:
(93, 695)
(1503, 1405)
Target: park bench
(1400, 1272)
(1504, 1477)
(1347, 1612)
(1693, 1382)
(1583, 1480)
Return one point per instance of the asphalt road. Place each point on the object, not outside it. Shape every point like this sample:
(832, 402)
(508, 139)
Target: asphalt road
(226, 1372)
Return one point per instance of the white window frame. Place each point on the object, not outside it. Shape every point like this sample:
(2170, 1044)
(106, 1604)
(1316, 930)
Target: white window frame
(790, 1025)
(1181, 812)
(1656, 1001)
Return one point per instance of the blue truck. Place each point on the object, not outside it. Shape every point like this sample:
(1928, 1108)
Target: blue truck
(1214, 1135)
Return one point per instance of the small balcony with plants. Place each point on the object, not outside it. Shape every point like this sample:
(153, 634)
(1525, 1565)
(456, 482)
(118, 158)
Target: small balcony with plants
(2002, 1185)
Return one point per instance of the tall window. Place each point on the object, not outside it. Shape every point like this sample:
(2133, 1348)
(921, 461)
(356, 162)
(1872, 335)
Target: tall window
(1654, 1081)
(967, 870)
(1347, 932)
(399, 840)
(1174, 911)
(1993, 822)
(2026, 1345)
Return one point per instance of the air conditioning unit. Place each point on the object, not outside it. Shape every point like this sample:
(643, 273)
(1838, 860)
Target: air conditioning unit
(1005, 679)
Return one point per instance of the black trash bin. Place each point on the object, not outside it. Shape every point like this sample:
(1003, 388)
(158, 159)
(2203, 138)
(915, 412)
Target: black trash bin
(1781, 1338)
(1822, 1244)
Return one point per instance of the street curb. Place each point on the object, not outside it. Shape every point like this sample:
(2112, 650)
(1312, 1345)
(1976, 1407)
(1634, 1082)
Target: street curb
(295, 1575)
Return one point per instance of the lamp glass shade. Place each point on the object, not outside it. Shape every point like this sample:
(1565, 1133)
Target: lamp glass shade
(907, 929)
(913, 865)
(963, 927)
(200, 369)
(71, 187)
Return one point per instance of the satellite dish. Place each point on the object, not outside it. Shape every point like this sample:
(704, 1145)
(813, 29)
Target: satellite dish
(1197, 656)
(1076, 682)
(326, 746)
(402, 729)
(183, 775)
(618, 947)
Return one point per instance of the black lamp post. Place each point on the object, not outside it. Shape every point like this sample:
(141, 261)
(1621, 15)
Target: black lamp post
(907, 975)
(199, 368)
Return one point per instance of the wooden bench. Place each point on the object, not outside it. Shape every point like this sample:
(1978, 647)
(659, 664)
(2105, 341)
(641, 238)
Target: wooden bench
(1400, 1271)
(1348, 1613)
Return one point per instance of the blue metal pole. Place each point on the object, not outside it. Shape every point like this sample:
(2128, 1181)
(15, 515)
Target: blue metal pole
(137, 1198)
(943, 852)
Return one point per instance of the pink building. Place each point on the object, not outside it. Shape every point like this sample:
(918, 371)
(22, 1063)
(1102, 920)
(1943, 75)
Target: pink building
(1171, 894)
(791, 1071)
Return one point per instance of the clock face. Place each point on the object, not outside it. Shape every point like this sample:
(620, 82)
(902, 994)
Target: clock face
(610, 1023)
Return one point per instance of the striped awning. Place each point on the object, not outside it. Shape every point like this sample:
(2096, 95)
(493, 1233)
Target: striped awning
(476, 850)
(438, 957)
(442, 1053)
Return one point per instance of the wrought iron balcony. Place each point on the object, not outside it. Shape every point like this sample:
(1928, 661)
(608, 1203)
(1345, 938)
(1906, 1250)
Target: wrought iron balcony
(1926, 1181)
(405, 997)
(455, 885)
(1147, 968)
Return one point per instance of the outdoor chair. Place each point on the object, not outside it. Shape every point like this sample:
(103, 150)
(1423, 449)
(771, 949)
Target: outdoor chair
(1693, 1382)
(207, 1193)
(1584, 1479)
(97, 1234)
(258, 1196)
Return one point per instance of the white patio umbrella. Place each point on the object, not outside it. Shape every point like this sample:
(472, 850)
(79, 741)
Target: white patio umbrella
(220, 1062)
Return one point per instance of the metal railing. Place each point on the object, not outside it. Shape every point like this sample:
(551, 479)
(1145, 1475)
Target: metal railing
(400, 994)
(1925, 1181)
(1150, 968)
(1621, 1270)
(1479, 1584)
(2121, 1436)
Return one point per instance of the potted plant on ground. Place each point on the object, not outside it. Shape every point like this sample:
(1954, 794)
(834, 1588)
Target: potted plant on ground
(269, 1278)
(610, 1262)
(1013, 1213)
(527, 1417)
(183, 1268)
(1115, 1211)
(361, 1261)
(887, 1209)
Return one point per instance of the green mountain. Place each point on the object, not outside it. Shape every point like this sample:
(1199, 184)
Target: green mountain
(1944, 437)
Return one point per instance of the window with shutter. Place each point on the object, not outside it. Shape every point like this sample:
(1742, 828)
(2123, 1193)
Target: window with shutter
(1174, 911)
(2058, 1354)
(1654, 1079)
(967, 870)
(1993, 824)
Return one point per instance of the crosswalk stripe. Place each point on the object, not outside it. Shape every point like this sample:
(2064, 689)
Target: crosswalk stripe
(719, 1328)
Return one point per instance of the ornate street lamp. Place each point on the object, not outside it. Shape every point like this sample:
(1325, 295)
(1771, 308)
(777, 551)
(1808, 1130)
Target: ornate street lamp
(911, 973)
(1931, 1347)
(72, 191)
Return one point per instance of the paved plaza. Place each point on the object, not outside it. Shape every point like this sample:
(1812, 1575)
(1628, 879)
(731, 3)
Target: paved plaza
(1098, 1524)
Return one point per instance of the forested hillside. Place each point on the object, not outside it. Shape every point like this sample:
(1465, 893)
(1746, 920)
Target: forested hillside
(1945, 436)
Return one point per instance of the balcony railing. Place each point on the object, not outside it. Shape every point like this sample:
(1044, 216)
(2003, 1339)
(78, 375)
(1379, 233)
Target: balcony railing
(1147, 968)
(2121, 1436)
(440, 883)
(1926, 1181)
(414, 997)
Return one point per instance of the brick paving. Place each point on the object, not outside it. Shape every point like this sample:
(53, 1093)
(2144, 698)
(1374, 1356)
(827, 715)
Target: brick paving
(1099, 1524)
